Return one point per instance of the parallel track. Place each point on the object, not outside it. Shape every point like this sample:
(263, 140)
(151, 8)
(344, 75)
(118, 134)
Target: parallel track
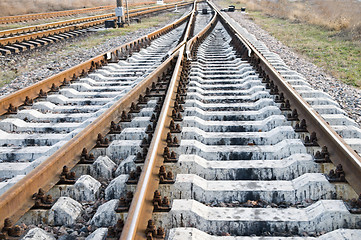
(217, 134)
(36, 16)
(25, 38)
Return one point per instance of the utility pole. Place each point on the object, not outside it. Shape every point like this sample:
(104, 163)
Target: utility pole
(119, 12)
(126, 4)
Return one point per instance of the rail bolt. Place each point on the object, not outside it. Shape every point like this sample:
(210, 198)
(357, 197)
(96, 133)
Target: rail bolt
(337, 175)
(115, 128)
(28, 101)
(12, 109)
(301, 127)
(151, 228)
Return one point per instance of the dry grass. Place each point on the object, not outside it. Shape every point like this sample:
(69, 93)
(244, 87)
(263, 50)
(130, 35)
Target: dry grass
(102, 36)
(6, 76)
(327, 32)
(17, 7)
(335, 15)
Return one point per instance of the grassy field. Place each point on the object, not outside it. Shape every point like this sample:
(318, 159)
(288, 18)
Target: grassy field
(333, 44)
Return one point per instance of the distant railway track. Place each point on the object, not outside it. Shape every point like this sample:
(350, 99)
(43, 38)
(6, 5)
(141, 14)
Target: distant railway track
(36, 16)
(196, 131)
(21, 39)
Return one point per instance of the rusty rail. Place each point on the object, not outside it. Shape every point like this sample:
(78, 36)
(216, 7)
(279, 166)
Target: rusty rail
(18, 98)
(45, 30)
(28, 29)
(340, 151)
(36, 16)
(195, 39)
(141, 208)
(17, 200)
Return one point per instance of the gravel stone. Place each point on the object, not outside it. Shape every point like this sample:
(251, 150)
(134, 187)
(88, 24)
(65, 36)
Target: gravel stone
(45, 61)
(347, 96)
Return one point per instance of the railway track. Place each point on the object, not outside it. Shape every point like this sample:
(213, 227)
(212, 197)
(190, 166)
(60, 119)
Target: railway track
(37, 16)
(26, 38)
(205, 134)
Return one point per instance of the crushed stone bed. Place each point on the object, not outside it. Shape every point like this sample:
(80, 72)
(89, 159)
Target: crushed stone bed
(347, 96)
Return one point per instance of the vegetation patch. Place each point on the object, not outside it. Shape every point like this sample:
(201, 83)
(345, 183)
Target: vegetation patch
(101, 36)
(331, 44)
(7, 76)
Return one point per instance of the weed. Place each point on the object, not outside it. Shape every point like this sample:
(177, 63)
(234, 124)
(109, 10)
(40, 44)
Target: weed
(7, 76)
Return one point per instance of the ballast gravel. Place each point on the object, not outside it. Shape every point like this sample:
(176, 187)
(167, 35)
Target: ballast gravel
(347, 96)
(41, 63)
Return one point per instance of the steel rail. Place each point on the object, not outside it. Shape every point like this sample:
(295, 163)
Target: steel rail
(36, 31)
(17, 98)
(17, 200)
(340, 151)
(16, 31)
(27, 29)
(141, 207)
(35, 16)
(195, 39)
